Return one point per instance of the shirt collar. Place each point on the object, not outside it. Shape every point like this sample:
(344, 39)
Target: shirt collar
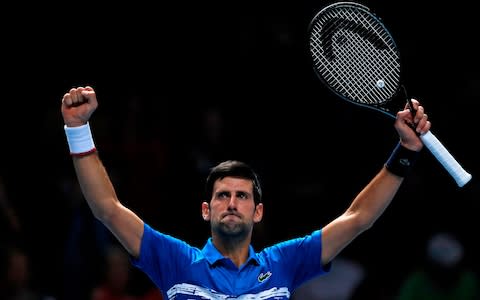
(213, 256)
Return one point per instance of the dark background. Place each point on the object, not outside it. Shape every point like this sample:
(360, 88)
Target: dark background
(157, 68)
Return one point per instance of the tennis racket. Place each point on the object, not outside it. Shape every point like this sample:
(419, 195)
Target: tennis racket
(355, 55)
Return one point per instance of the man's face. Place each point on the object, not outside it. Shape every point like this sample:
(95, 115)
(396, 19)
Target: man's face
(232, 210)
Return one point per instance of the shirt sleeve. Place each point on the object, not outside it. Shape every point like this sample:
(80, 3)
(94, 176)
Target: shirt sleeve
(299, 258)
(161, 256)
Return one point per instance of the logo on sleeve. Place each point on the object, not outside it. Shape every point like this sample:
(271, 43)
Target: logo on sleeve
(405, 162)
(264, 276)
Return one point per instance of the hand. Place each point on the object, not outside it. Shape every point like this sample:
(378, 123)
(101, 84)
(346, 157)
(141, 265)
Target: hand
(405, 122)
(78, 105)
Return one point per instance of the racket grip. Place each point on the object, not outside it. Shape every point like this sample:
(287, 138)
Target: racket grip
(445, 158)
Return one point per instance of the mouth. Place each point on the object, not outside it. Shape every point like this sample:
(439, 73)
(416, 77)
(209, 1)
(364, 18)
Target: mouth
(230, 216)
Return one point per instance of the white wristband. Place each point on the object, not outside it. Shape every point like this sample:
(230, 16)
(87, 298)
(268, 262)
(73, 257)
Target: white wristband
(80, 140)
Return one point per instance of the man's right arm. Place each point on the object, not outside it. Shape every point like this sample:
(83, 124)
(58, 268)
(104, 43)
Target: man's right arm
(100, 194)
(77, 107)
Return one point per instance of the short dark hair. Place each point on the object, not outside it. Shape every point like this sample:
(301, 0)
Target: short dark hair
(234, 168)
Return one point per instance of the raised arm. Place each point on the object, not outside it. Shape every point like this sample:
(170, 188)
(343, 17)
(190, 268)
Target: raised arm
(371, 202)
(77, 107)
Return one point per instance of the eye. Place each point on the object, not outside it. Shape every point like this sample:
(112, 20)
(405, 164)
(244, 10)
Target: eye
(223, 195)
(242, 195)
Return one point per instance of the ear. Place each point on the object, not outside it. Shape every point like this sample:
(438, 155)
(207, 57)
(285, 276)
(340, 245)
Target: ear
(258, 215)
(205, 211)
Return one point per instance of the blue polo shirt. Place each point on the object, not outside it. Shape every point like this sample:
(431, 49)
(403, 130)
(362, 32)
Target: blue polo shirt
(181, 271)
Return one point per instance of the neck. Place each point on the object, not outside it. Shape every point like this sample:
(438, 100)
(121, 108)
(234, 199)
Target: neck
(233, 248)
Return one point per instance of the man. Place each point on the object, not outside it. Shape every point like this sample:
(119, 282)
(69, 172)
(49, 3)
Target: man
(228, 267)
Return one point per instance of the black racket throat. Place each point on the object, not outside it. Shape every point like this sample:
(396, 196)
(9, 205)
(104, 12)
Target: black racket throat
(389, 107)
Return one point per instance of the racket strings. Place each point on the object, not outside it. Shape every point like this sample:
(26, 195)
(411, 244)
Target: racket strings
(355, 55)
(362, 61)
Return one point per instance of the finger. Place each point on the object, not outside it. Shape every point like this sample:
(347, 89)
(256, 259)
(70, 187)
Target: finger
(414, 105)
(87, 93)
(90, 96)
(423, 125)
(425, 128)
(73, 95)
(420, 111)
(67, 99)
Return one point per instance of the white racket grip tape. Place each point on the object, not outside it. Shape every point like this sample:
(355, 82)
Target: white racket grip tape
(445, 158)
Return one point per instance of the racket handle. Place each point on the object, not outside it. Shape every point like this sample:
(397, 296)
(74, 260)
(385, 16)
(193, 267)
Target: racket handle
(446, 159)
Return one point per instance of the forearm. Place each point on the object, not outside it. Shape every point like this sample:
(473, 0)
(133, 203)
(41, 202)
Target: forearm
(96, 185)
(377, 195)
(365, 209)
(372, 201)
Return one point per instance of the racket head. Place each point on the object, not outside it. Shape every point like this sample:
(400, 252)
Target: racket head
(355, 55)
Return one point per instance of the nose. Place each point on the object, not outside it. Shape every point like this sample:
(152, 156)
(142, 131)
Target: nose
(232, 203)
